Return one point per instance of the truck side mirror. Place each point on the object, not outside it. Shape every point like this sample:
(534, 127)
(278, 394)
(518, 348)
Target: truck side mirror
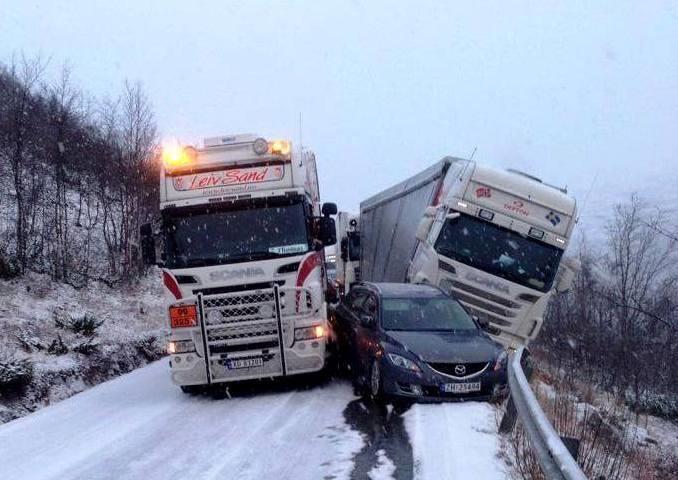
(344, 249)
(147, 244)
(568, 269)
(329, 208)
(354, 246)
(328, 231)
(423, 228)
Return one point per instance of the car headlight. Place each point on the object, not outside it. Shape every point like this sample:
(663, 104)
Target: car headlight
(309, 333)
(501, 360)
(403, 362)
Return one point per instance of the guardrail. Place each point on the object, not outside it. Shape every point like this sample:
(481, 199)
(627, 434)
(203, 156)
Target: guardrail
(554, 458)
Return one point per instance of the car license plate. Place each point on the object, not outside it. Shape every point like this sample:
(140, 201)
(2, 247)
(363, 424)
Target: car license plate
(244, 363)
(460, 387)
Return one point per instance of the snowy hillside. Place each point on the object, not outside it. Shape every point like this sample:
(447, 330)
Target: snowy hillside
(57, 340)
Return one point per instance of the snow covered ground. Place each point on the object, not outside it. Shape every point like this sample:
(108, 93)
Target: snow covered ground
(141, 426)
(455, 441)
(132, 333)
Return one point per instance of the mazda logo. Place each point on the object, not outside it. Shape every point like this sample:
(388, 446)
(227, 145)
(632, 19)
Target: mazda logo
(459, 369)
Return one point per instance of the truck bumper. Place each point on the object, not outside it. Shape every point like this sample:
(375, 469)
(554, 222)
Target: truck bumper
(304, 357)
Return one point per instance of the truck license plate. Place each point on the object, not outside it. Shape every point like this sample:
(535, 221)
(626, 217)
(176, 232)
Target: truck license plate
(244, 363)
(460, 387)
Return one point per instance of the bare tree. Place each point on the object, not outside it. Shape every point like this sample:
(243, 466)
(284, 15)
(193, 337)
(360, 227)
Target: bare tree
(19, 143)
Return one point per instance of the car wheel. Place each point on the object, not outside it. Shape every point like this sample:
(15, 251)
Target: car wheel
(375, 381)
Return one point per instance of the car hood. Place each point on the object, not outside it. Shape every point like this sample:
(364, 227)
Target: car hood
(447, 347)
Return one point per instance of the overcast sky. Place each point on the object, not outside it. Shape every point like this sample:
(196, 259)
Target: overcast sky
(563, 90)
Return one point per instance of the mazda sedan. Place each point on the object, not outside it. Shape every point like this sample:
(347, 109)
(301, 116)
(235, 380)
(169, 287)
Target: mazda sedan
(417, 342)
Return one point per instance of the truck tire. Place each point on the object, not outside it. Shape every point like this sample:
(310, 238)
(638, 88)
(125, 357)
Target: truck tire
(192, 389)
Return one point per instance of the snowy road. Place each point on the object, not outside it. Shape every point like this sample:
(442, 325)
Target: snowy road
(141, 426)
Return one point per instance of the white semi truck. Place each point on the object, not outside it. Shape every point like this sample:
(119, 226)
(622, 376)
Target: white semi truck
(492, 238)
(242, 260)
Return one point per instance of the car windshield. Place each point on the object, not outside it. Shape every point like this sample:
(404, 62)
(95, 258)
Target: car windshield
(499, 251)
(252, 231)
(425, 314)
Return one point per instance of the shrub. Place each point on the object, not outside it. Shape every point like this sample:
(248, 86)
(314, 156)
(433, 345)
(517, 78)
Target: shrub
(14, 371)
(57, 347)
(86, 347)
(86, 325)
(9, 266)
(660, 405)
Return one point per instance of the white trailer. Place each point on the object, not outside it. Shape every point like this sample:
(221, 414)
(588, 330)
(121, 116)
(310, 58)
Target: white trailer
(493, 238)
(242, 261)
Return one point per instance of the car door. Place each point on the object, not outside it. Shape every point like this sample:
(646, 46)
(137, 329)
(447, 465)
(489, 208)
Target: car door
(366, 336)
(353, 309)
(346, 317)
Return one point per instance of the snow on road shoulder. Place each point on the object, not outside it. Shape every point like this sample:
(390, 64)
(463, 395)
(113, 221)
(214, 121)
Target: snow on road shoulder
(454, 441)
(141, 426)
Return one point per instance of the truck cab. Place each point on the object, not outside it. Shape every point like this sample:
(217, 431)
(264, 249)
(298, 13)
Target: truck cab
(242, 235)
(494, 239)
(496, 242)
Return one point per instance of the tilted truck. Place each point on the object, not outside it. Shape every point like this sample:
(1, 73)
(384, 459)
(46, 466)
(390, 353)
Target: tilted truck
(242, 260)
(494, 239)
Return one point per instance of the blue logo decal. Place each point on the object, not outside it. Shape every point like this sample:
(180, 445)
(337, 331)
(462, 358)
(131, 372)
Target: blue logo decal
(553, 217)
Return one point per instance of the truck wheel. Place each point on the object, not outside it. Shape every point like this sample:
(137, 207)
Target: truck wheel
(192, 389)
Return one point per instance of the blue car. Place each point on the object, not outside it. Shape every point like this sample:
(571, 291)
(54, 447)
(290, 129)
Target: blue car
(416, 342)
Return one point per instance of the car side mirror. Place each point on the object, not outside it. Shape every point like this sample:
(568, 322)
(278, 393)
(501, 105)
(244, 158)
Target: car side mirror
(483, 323)
(366, 320)
(147, 244)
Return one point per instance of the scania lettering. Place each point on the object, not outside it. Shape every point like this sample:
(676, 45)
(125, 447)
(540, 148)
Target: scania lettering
(493, 238)
(242, 239)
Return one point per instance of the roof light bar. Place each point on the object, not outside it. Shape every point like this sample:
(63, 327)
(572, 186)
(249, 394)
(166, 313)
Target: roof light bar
(260, 146)
(175, 156)
(280, 147)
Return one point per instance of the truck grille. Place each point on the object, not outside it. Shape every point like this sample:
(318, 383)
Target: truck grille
(240, 323)
(490, 307)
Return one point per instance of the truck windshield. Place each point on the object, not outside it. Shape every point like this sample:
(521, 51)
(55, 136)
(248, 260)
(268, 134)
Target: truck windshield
(255, 230)
(499, 251)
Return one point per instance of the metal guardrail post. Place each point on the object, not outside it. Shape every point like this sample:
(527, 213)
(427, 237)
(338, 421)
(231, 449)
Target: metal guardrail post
(554, 458)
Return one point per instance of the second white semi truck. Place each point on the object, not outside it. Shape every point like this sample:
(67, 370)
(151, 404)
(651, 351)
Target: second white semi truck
(243, 266)
(492, 238)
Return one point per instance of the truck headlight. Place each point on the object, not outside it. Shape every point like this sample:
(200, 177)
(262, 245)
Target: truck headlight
(403, 362)
(309, 333)
(180, 346)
